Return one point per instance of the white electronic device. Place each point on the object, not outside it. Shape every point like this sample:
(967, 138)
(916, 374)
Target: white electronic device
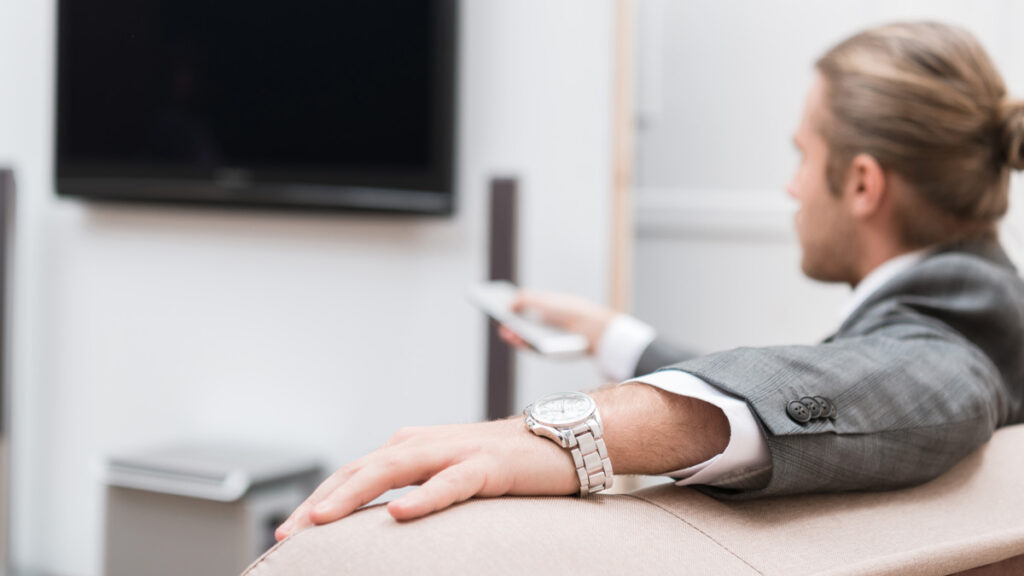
(495, 299)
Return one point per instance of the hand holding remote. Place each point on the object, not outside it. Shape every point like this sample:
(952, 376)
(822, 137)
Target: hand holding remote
(566, 311)
(497, 299)
(547, 322)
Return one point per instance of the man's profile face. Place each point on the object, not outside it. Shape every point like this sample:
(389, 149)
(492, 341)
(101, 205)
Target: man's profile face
(825, 230)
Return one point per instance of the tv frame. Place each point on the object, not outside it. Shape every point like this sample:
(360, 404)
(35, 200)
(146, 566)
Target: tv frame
(239, 187)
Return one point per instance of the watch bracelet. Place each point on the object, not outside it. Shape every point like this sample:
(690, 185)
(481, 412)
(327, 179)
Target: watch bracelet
(590, 456)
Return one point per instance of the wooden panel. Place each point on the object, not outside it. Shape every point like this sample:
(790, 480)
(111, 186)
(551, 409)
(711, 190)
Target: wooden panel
(623, 143)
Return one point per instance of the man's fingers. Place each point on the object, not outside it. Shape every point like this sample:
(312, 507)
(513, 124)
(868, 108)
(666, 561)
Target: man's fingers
(454, 462)
(552, 308)
(524, 300)
(511, 337)
(449, 486)
(402, 435)
(537, 302)
(299, 518)
(367, 484)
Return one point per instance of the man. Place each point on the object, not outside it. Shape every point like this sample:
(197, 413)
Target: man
(907, 139)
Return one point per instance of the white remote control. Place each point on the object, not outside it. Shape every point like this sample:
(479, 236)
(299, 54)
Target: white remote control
(495, 299)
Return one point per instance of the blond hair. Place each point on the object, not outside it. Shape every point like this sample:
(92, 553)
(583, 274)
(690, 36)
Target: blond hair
(927, 103)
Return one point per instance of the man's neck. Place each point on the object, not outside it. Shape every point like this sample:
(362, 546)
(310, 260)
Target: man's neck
(875, 250)
(879, 276)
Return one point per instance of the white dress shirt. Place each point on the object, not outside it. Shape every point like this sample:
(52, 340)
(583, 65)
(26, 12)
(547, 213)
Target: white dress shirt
(626, 338)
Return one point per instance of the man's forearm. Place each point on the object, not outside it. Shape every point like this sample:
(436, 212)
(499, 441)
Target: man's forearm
(651, 431)
(647, 431)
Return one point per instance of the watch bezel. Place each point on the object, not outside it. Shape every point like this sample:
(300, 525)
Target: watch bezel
(532, 411)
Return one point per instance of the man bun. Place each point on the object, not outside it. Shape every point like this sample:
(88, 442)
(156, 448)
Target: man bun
(1012, 120)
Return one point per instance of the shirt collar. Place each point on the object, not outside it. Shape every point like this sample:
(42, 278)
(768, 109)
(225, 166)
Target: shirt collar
(878, 278)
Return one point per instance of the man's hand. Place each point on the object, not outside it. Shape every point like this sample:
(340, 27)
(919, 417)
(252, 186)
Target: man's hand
(452, 464)
(647, 431)
(566, 311)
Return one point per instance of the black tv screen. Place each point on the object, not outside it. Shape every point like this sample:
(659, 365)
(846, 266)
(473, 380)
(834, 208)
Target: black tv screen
(320, 103)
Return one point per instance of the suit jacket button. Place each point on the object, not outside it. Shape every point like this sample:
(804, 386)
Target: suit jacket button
(826, 406)
(831, 411)
(812, 406)
(798, 412)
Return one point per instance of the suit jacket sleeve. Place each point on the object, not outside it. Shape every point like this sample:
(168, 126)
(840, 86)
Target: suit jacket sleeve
(659, 354)
(912, 396)
(920, 374)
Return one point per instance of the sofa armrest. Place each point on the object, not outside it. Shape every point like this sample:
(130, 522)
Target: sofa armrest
(967, 518)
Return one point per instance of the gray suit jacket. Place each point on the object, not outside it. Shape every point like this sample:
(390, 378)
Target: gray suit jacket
(920, 375)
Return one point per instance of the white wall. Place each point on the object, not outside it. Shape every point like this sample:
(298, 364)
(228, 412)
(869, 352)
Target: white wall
(720, 89)
(139, 325)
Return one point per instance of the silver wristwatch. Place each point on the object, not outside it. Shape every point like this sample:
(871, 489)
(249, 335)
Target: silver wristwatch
(571, 420)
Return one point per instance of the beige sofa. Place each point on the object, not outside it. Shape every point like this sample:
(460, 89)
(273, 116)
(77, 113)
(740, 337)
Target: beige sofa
(972, 516)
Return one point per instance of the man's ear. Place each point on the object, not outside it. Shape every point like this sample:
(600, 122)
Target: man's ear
(866, 186)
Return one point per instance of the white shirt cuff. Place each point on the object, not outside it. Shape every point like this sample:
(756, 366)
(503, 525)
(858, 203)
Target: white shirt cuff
(747, 449)
(621, 345)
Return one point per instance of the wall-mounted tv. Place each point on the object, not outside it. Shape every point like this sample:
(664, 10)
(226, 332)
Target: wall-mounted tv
(308, 103)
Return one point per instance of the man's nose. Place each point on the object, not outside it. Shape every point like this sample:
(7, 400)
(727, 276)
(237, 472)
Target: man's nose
(791, 191)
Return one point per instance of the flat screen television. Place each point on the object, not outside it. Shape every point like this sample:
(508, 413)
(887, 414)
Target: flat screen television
(308, 103)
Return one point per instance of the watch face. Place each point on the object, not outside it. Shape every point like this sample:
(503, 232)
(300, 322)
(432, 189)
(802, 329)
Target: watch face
(564, 408)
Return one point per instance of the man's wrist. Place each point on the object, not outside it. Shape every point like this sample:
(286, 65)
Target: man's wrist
(651, 431)
(546, 461)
